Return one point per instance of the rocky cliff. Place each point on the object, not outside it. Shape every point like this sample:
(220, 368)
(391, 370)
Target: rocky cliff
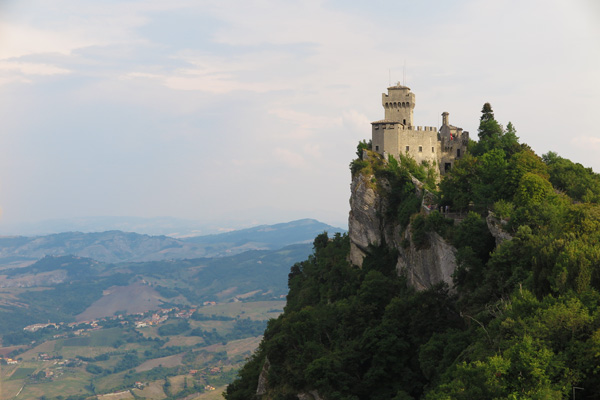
(369, 226)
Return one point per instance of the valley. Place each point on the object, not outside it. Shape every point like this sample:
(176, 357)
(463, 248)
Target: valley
(75, 327)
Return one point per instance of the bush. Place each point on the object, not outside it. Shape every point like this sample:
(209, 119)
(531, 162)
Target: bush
(363, 145)
(436, 222)
(358, 165)
(174, 329)
(419, 232)
(503, 209)
(94, 369)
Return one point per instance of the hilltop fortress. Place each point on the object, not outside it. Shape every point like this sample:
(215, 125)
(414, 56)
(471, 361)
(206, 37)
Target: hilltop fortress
(396, 133)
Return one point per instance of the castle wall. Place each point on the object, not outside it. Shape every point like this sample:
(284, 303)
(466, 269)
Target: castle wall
(385, 138)
(420, 143)
(453, 146)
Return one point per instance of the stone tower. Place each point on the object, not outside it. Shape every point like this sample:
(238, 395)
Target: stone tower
(399, 104)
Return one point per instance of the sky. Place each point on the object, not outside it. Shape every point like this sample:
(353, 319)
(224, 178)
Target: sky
(249, 112)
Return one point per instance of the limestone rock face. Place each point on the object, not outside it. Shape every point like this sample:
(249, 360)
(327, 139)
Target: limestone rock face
(426, 267)
(312, 395)
(494, 225)
(364, 223)
(261, 389)
(367, 225)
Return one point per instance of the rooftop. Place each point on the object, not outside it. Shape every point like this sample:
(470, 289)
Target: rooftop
(398, 86)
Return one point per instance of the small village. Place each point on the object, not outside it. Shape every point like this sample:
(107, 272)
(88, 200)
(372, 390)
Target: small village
(81, 328)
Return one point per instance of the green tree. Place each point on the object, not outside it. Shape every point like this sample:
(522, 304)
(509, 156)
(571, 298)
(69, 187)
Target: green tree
(489, 131)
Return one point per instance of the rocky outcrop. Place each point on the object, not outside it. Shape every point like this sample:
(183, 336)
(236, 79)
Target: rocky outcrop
(496, 228)
(368, 226)
(263, 380)
(365, 224)
(428, 266)
(312, 395)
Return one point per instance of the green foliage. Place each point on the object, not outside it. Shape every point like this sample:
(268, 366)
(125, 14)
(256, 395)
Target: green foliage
(503, 209)
(424, 172)
(94, 369)
(363, 145)
(580, 183)
(129, 361)
(457, 186)
(358, 165)
(166, 292)
(402, 199)
(174, 328)
(532, 190)
(436, 222)
(419, 232)
(345, 331)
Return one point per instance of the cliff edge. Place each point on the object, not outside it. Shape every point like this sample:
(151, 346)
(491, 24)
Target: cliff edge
(372, 223)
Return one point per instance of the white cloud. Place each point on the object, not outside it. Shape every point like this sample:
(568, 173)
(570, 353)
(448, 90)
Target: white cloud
(32, 68)
(586, 142)
(303, 125)
(289, 158)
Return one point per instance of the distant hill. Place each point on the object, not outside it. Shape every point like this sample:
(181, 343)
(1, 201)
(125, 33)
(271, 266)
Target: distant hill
(78, 287)
(118, 246)
(265, 236)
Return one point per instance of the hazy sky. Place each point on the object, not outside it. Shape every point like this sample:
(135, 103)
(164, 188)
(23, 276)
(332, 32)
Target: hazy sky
(251, 110)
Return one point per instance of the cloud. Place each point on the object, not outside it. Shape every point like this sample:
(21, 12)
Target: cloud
(586, 142)
(355, 121)
(289, 158)
(303, 125)
(26, 68)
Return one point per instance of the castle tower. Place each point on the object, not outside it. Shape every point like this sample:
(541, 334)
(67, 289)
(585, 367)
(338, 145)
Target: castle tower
(399, 104)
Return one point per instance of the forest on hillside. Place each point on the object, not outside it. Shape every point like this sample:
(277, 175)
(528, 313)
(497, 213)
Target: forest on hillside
(522, 320)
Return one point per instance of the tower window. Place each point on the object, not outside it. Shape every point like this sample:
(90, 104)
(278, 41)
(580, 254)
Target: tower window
(420, 149)
(403, 122)
(457, 153)
(433, 150)
(407, 148)
(376, 148)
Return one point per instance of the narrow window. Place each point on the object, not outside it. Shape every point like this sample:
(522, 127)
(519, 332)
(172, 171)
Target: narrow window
(432, 150)
(407, 148)
(376, 148)
(403, 122)
(457, 153)
(420, 149)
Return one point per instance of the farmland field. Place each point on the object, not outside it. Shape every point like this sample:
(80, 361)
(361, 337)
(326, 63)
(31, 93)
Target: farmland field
(21, 373)
(107, 362)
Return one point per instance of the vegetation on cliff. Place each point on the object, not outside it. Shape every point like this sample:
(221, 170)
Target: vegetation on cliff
(522, 320)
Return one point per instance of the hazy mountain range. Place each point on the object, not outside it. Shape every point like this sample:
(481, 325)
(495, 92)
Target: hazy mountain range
(118, 246)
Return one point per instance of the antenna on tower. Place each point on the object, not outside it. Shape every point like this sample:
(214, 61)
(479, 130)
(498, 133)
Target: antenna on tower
(389, 77)
(404, 74)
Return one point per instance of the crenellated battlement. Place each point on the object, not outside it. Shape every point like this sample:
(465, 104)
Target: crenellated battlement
(396, 125)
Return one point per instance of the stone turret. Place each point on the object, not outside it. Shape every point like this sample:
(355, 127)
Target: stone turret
(399, 104)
